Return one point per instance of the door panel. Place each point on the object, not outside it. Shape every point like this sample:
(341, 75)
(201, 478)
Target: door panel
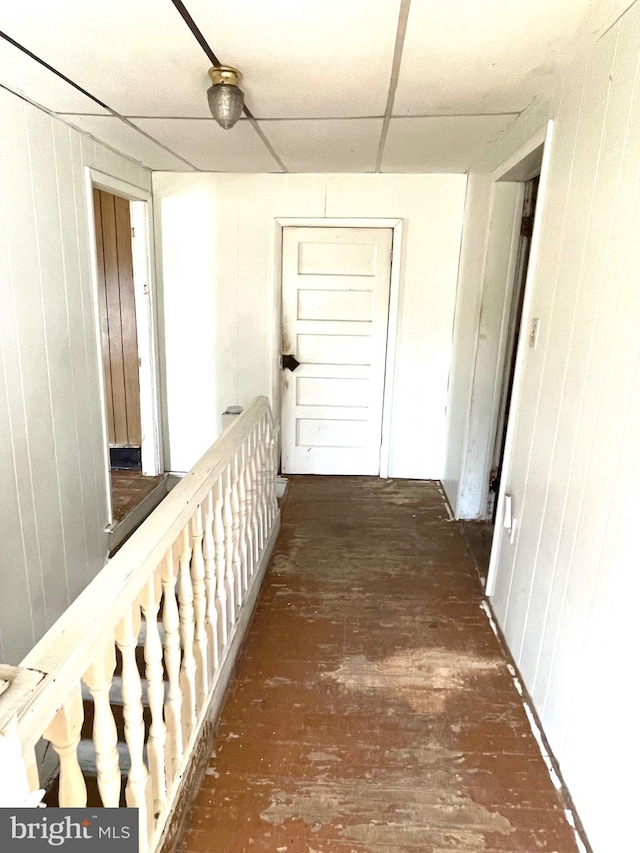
(335, 305)
(335, 309)
(131, 368)
(344, 259)
(324, 391)
(117, 318)
(333, 349)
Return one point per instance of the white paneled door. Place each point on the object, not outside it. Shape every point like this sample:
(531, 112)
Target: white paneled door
(335, 307)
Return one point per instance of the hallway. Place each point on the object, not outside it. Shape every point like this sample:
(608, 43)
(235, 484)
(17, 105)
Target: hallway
(372, 710)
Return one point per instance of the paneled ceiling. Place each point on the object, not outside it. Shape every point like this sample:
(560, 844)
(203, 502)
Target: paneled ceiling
(333, 85)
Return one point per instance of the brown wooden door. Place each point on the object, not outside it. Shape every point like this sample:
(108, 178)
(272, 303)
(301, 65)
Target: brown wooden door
(117, 318)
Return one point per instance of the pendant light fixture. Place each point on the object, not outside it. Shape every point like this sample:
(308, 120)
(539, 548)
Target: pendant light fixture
(226, 98)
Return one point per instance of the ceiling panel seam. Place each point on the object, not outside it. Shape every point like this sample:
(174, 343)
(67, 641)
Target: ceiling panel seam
(204, 44)
(403, 17)
(274, 119)
(100, 103)
(64, 116)
(455, 115)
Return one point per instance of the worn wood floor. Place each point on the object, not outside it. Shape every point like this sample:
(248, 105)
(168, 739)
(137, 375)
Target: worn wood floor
(478, 536)
(372, 710)
(128, 489)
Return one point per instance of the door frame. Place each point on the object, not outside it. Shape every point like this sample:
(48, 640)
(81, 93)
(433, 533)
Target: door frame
(512, 169)
(146, 322)
(392, 318)
(511, 329)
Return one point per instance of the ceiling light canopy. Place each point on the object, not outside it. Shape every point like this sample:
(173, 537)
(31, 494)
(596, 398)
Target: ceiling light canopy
(226, 98)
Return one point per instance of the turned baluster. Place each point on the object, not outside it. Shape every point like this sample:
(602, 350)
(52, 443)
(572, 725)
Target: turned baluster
(264, 432)
(138, 790)
(266, 438)
(272, 471)
(249, 501)
(154, 672)
(172, 657)
(187, 626)
(261, 496)
(99, 678)
(200, 609)
(208, 552)
(218, 540)
(64, 734)
(242, 531)
(19, 784)
(255, 521)
(238, 568)
(227, 517)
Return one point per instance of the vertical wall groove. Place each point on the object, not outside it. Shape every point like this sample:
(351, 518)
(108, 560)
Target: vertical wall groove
(52, 491)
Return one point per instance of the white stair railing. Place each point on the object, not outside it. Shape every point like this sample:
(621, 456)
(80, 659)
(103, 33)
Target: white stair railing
(182, 588)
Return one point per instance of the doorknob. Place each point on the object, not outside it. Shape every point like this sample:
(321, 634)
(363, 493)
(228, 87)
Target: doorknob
(290, 362)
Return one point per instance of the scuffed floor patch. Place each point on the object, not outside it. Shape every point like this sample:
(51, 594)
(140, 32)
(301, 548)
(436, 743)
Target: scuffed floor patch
(424, 677)
(424, 808)
(396, 814)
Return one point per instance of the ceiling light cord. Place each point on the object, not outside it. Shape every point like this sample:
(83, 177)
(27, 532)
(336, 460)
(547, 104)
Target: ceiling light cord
(55, 71)
(93, 98)
(401, 32)
(204, 44)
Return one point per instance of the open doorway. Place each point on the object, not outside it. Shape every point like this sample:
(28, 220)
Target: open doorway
(118, 332)
(125, 319)
(504, 333)
(513, 335)
(529, 166)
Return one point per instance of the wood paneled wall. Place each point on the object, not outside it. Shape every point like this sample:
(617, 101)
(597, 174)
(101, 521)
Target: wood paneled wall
(117, 309)
(567, 588)
(53, 490)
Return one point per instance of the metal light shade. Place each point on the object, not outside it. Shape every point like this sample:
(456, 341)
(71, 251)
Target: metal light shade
(226, 98)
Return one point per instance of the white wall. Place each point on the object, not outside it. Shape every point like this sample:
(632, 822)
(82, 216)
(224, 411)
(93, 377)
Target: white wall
(566, 591)
(217, 256)
(485, 283)
(488, 368)
(52, 480)
(473, 255)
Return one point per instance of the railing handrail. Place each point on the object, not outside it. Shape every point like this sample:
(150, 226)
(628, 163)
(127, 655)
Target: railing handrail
(66, 650)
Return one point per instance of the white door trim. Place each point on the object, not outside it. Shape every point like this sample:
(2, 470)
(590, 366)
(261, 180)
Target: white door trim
(392, 324)
(144, 293)
(145, 301)
(544, 135)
